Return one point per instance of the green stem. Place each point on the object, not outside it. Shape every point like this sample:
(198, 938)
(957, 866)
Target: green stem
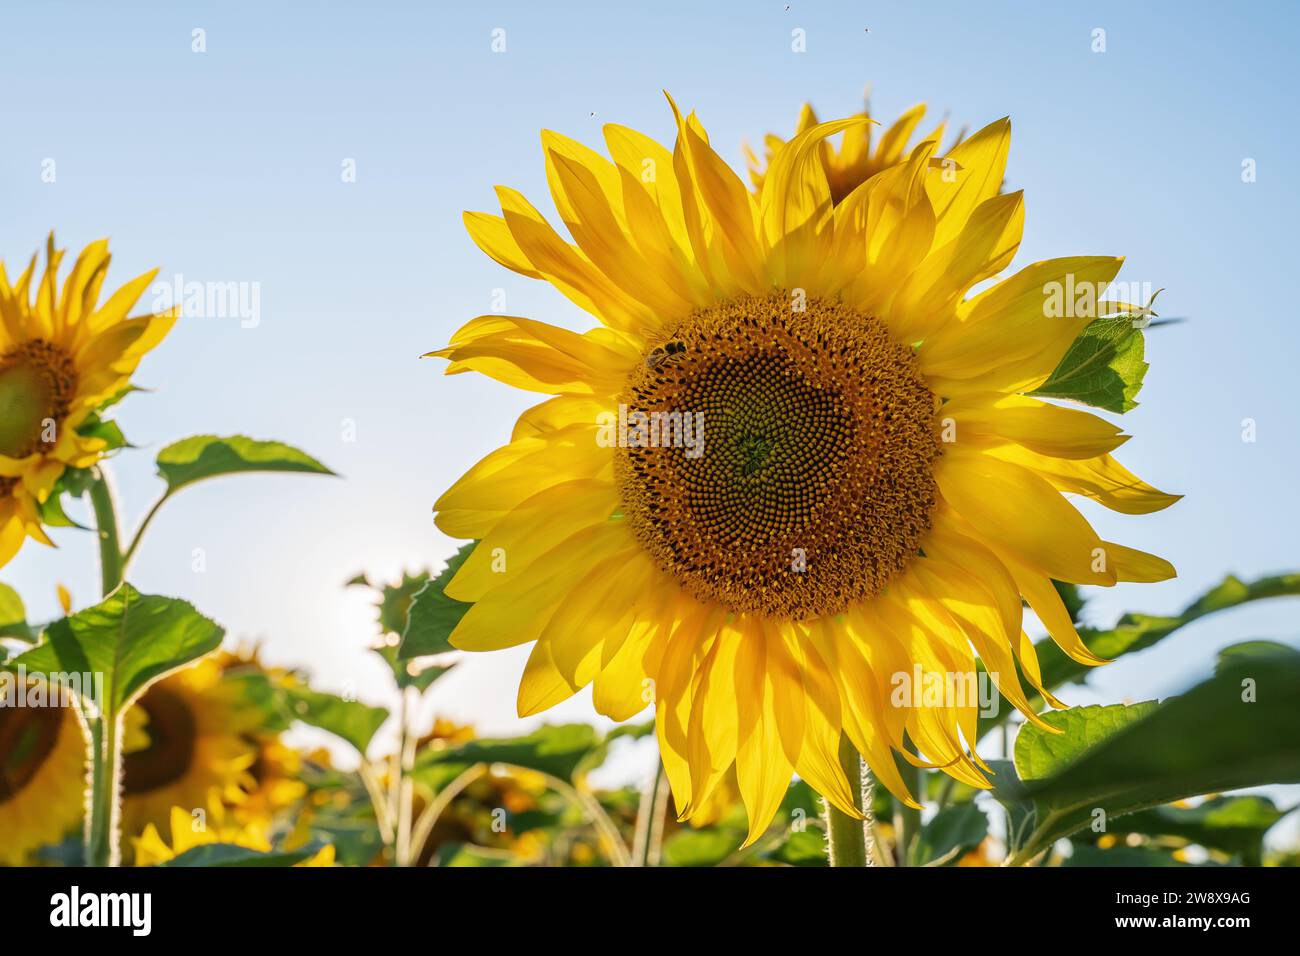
(429, 818)
(406, 786)
(648, 841)
(102, 729)
(907, 821)
(104, 824)
(846, 837)
(139, 532)
(615, 849)
(111, 564)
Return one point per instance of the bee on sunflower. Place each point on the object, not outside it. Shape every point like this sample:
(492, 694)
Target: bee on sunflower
(878, 489)
(65, 357)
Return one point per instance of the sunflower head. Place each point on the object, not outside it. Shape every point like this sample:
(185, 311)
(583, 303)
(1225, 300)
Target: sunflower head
(189, 736)
(797, 464)
(42, 767)
(65, 356)
(859, 154)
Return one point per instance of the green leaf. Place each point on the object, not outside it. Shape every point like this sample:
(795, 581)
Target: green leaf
(349, 720)
(557, 749)
(952, 832)
(707, 847)
(106, 431)
(805, 847)
(1128, 856)
(1103, 367)
(1240, 728)
(228, 854)
(132, 639)
(1248, 649)
(13, 616)
(1136, 632)
(53, 515)
(432, 615)
(1039, 754)
(467, 854)
(406, 674)
(1235, 825)
(207, 456)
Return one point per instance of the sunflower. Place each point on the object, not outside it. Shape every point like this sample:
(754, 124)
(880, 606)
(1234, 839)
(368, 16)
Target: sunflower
(64, 356)
(151, 849)
(42, 766)
(854, 161)
(272, 782)
(795, 465)
(188, 737)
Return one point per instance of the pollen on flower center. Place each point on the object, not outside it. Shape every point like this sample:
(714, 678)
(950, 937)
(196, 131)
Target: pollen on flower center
(37, 383)
(815, 482)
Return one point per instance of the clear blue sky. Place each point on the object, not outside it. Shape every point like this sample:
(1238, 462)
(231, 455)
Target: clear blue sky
(225, 165)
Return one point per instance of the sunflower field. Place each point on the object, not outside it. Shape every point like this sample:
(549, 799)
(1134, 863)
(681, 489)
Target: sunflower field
(805, 504)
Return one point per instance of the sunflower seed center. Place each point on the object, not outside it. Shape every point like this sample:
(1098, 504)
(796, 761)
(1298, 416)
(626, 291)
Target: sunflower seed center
(815, 483)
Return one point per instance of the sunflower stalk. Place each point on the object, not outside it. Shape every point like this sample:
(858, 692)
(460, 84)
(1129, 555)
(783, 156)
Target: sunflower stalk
(848, 839)
(647, 844)
(907, 820)
(405, 784)
(615, 849)
(104, 790)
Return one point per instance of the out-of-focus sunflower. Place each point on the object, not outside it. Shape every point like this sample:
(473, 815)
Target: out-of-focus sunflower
(42, 767)
(189, 737)
(855, 160)
(187, 832)
(866, 486)
(272, 783)
(63, 356)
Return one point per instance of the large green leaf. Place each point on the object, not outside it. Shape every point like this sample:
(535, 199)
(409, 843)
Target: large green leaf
(131, 639)
(1040, 754)
(1103, 367)
(207, 456)
(557, 749)
(228, 854)
(1136, 632)
(350, 720)
(432, 615)
(1241, 728)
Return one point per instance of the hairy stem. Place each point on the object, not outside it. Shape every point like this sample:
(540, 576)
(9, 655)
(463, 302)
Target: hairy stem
(847, 838)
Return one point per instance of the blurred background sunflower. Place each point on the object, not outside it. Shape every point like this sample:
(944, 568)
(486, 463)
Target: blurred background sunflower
(42, 769)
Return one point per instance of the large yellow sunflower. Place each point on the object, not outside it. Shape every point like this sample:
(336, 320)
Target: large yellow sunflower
(63, 356)
(42, 768)
(857, 158)
(846, 480)
(188, 739)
